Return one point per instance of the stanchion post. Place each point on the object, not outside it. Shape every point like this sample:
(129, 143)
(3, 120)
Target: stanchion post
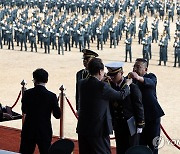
(23, 83)
(61, 96)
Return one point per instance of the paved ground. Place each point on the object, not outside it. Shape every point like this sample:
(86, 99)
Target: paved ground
(18, 65)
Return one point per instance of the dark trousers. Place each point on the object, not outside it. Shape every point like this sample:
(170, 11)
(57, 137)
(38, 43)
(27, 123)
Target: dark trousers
(177, 59)
(66, 46)
(94, 145)
(123, 138)
(47, 47)
(150, 131)
(28, 144)
(81, 45)
(60, 48)
(99, 42)
(86, 40)
(74, 39)
(130, 55)
(35, 46)
(10, 41)
(1, 42)
(23, 41)
(54, 44)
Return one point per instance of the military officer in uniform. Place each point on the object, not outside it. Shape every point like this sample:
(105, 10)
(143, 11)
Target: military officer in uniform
(113, 36)
(32, 38)
(67, 35)
(87, 35)
(60, 36)
(99, 32)
(171, 12)
(126, 110)
(163, 51)
(140, 33)
(23, 37)
(176, 51)
(145, 47)
(149, 43)
(167, 26)
(53, 32)
(178, 23)
(84, 73)
(46, 38)
(1, 36)
(80, 33)
(128, 43)
(154, 27)
(9, 34)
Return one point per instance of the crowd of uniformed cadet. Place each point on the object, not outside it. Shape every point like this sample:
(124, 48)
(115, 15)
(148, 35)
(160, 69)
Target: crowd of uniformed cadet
(63, 24)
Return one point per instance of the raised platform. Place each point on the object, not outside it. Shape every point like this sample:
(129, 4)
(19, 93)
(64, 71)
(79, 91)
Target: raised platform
(10, 140)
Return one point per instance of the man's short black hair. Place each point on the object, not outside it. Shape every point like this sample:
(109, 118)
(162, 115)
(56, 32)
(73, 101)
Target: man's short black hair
(95, 65)
(143, 61)
(40, 75)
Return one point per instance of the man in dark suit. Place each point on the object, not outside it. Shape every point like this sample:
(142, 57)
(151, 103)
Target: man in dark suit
(37, 104)
(94, 122)
(126, 111)
(84, 73)
(152, 110)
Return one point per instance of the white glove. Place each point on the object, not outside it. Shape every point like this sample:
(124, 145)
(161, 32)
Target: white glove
(139, 130)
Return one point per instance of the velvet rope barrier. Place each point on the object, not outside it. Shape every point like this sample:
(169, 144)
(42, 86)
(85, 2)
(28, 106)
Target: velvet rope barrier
(71, 107)
(169, 138)
(75, 112)
(16, 100)
(114, 137)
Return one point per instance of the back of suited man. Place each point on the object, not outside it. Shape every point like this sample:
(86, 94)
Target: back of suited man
(37, 104)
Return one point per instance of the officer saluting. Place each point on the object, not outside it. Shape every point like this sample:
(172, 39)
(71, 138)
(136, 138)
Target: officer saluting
(125, 111)
(84, 73)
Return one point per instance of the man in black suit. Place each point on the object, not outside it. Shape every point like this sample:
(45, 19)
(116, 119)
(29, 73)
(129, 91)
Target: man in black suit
(94, 122)
(37, 104)
(131, 108)
(84, 73)
(152, 110)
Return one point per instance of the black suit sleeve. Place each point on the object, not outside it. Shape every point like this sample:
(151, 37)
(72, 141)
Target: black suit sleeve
(55, 107)
(136, 98)
(111, 94)
(24, 103)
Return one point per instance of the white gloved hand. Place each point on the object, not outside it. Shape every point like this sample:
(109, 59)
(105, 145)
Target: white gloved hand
(139, 130)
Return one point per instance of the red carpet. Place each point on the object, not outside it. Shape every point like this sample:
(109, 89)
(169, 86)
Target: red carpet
(10, 140)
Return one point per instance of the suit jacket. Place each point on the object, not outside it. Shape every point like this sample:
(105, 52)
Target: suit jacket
(130, 106)
(38, 103)
(152, 109)
(94, 114)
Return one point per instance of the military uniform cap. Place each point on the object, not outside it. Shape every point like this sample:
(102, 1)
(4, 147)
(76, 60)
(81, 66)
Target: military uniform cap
(89, 53)
(114, 68)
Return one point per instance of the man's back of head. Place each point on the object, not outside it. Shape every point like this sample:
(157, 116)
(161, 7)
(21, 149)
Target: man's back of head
(40, 76)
